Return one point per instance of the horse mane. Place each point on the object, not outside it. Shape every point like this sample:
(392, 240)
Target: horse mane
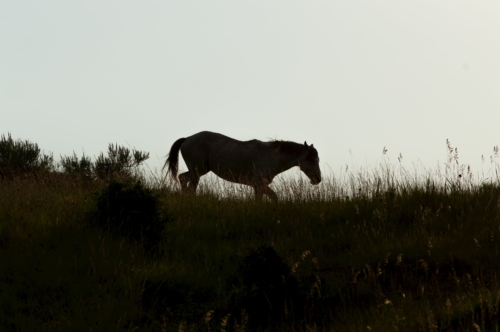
(292, 148)
(288, 147)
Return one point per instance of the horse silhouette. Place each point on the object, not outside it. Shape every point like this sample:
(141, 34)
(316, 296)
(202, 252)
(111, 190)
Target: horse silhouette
(253, 163)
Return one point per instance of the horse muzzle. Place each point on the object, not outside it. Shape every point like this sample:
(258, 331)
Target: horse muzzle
(315, 181)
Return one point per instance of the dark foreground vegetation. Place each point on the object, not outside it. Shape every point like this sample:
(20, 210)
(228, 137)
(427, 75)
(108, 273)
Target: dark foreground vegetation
(113, 251)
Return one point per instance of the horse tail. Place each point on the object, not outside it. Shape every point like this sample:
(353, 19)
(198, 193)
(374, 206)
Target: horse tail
(173, 158)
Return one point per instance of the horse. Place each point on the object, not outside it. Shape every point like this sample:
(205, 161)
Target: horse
(253, 163)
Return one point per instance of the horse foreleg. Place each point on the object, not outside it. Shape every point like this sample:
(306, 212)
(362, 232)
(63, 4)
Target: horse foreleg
(265, 190)
(271, 194)
(258, 194)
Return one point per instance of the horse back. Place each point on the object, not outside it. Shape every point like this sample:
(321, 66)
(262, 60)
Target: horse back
(229, 158)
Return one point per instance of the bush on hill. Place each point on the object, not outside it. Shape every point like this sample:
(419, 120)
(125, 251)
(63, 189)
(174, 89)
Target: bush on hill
(22, 157)
(130, 210)
(18, 157)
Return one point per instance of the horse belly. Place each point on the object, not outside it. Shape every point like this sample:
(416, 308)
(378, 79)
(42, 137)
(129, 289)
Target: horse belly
(243, 171)
(233, 173)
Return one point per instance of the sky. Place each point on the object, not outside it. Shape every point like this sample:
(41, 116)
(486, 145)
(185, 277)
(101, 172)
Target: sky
(350, 77)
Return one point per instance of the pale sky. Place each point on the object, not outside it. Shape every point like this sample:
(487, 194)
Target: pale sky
(348, 76)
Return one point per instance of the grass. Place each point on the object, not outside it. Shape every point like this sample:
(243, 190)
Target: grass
(378, 249)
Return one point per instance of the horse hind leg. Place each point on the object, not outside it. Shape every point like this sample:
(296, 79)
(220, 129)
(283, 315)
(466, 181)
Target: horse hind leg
(184, 180)
(189, 181)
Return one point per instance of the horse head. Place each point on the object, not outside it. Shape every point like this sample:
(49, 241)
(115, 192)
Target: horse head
(309, 163)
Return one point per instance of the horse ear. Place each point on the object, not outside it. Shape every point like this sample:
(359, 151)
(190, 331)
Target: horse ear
(312, 146)
(305, 144)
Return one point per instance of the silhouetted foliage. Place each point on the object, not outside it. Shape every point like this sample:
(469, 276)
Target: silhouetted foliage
(131, 211)
(21, 157)
(176, 300)
(72, 165)
(264, 289)
(120, 162)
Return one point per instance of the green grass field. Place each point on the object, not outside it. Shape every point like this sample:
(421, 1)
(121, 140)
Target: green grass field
(381, 250)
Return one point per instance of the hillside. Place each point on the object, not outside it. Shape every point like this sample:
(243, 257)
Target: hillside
(398, 254)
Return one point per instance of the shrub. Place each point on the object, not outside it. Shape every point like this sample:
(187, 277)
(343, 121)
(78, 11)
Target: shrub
(82, 168)
(174, 300)
(120, 162)
(264, 289)
(131, 211)
(22, 157)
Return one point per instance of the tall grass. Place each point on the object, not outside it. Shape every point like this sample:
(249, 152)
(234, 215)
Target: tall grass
(382, 248)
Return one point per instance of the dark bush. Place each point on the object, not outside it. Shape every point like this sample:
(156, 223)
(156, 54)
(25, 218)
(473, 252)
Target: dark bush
(81, 168)
(264, 289)
(120, 162)
(22, 157)
(130, 210)
(176, 301)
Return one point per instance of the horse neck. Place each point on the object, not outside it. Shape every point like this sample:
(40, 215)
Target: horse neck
(289, 155)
